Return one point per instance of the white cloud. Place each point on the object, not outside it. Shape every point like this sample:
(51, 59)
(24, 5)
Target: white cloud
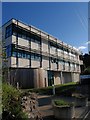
(81, 47)
(88, 42)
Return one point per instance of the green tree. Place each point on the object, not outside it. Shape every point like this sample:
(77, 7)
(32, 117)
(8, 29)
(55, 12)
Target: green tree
(11, 101)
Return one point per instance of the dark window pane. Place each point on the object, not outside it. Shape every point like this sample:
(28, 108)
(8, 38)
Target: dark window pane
(14, 54)
(8, 31)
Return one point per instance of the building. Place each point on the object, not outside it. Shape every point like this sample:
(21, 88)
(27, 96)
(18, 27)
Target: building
(37, 59)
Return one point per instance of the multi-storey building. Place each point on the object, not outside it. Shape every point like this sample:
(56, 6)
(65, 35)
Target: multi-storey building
(37, 59)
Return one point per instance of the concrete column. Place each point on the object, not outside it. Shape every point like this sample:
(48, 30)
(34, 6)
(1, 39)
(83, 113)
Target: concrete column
(61, 77)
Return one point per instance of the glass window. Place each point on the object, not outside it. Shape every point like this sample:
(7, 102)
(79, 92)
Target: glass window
(28, 38)
(23, 35)
(36, 41)
(27, 56)
(32, 56)
(20, 54)
(32, 40)
(8, 51)
(14, 33)
(37, 57)
(23, 55)
(14, 54)
(8, 31)
(19, 35)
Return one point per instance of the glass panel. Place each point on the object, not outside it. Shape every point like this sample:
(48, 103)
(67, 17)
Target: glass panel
(8, 31)
(28, 56)
(20, 54)
(32, 56)
(8, 51)
(14, 54)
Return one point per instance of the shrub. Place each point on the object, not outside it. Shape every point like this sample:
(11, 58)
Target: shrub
(62, 89)
(11, 102)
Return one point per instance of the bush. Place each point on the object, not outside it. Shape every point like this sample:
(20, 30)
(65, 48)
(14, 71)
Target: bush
(11, 103)
(62, 89)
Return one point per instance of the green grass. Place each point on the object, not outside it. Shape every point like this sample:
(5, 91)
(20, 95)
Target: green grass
(62, 103)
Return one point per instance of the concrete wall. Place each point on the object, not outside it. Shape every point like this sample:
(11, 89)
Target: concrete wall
(23, 76)
(67, 77)
(60, 66)
(13, 61)
(76, 77)
(37, 78)
(45, 62)
(53, 66)
(23, 62)
(29, 78)
(52, 50)
(13, 39)
(35, 63)
(35, 46)
(45, 45)
(23, 42)
(57, 79)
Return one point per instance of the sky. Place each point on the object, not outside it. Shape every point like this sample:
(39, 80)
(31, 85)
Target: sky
(67, 21)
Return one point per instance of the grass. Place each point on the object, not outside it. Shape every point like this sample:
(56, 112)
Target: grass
(62, 103)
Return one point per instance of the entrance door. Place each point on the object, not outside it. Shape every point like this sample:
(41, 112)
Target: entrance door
(50, 78)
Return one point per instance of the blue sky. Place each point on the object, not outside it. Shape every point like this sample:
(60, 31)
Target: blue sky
(67, 21)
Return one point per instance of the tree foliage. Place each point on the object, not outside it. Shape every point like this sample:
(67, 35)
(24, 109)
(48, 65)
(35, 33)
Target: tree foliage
(11, 103)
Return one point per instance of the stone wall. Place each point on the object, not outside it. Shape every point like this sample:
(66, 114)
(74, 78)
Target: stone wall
(30, 106)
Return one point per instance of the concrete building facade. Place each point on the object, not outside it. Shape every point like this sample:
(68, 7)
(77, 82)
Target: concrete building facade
(37, 59)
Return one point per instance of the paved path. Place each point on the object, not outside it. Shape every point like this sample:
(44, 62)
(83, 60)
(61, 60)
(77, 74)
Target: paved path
(46, 110)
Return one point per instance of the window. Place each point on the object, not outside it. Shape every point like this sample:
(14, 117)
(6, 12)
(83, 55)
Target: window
(14, 54)
(27, 56)
(23, 55)
(23, 34)
(20, 54)
(35, 57)
(8, 51)
(36, 41)
(32, 56)
(8, 32)
(28, 38)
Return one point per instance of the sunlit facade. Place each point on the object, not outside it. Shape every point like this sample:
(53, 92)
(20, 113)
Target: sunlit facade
(37, 59)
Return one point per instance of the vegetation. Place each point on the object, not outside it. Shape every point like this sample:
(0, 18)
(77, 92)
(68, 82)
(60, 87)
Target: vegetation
(65, 89)
(61, 103)
(11, 103)
(86, 64)
(86, 59)
(87, 71)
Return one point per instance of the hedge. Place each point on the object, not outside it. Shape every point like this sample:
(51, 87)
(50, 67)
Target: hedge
(63, 89)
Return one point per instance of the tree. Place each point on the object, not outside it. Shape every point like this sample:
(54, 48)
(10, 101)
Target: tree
(11, 101)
